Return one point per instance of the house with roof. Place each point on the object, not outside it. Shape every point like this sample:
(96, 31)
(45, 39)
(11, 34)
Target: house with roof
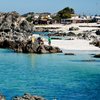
(97, 19)
(76, 19)
(45, 18)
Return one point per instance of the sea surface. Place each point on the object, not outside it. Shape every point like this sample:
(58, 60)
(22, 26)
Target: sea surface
(52, 76)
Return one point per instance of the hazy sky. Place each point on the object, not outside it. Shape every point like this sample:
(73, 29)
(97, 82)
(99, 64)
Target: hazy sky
(24, 6)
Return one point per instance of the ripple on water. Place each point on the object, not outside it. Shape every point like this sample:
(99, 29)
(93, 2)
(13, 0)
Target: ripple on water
(52, 76)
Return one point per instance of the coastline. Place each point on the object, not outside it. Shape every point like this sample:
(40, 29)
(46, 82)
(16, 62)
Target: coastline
(75, 45)
(65, 28)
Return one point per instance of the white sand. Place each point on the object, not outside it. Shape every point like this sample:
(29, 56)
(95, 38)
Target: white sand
(73, 45)
(65, 28)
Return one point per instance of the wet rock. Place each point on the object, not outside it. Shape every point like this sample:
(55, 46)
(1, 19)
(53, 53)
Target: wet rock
(2, 97)
(51, 49)
(97, 56)
(92, 54)
(14, 33)
(28, 97)
(28, 47)
(98, 32)
(69, 54)
(90, 60)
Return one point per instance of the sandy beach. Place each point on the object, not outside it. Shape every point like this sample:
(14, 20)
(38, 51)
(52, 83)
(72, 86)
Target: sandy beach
(73, 45)
(76, 44)
(65, 28)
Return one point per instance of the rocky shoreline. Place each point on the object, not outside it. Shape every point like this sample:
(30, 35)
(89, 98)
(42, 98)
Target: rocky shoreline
(15, 31)
(26, 96)
(28, 47)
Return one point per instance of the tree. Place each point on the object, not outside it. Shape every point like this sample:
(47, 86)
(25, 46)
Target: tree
(29, 19)
(65, 13)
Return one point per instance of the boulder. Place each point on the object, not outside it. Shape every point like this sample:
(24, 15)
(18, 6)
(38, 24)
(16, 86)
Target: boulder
(96, 43)
(69, 54)
(98, 32)
(14, 24)
(28, 47)
(90, 60)
(51, 49)
(97, 56)
(2, 97)
(28, 97)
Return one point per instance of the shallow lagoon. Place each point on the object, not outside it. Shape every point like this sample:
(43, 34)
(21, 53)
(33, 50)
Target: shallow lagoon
(50, 75)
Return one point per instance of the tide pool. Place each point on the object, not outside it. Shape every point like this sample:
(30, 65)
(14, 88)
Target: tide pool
(50, 75)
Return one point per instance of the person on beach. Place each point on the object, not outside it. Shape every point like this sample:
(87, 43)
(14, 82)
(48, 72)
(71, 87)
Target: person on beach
(49, 40)
(33, 39)
(40, 41)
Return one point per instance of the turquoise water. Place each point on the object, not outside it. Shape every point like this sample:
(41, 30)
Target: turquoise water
(50, 75)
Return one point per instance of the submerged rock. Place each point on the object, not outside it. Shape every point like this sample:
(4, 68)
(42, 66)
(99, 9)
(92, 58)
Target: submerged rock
(2, 97)
(97, 56)
(90, 60)
(28, 97)
(69, 54)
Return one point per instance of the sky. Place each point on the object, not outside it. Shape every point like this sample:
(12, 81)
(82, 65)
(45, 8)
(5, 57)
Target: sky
(89, 7)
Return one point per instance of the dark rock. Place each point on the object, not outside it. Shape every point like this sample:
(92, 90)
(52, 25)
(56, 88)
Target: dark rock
(57, 34)
(69, 54)
(96, 43)
(14, 33)
(97, 56)
(73, 28)
(51, 49)
(98, 32)
(90, 60)
(28, 97)
(71, 34)
(92, 54)
(2, 97)
(14, 24)
(25, 26)
(28, 47)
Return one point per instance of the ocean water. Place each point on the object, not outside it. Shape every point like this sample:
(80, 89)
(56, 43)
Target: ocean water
(50, 75)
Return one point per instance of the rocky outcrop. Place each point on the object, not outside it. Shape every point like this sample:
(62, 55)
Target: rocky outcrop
(98, 32)
(90, 60)
(15, 31)
(96, 43)
(97, 56)
(14, 26)
(2, 97)
(69, 54)
(28, 47)
(28, 97)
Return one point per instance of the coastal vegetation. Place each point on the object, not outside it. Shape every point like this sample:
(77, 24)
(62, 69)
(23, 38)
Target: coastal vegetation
(16, 33)
(64, 16)
(65, 13)
(29, 16)
(42, 18)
